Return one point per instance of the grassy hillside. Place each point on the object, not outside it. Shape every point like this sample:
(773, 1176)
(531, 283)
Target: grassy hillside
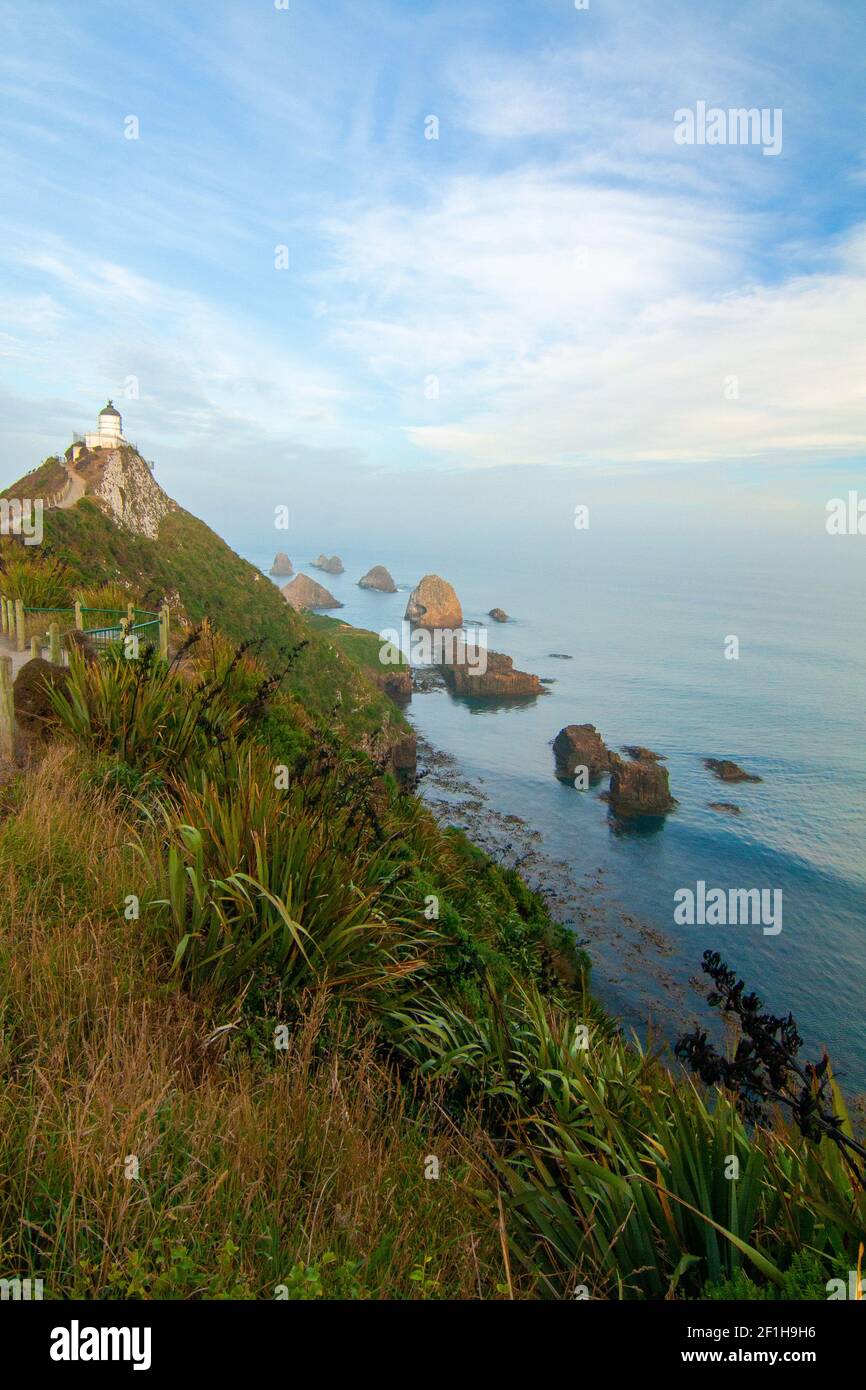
(267, 1028)
(204, 577)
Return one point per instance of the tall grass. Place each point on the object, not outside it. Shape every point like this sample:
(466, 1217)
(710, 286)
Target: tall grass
(255, 1167)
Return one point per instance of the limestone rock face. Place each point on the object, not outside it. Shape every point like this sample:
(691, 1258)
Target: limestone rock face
(580, 745)
(499, 681)
(282, 564)
(304, 592)
(126, 488)
(727, 771)
(332, 565)
(433, 603)
(378, 578)
(498, 615)
(639, 788)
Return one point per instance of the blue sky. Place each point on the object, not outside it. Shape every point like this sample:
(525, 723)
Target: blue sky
(580, 287)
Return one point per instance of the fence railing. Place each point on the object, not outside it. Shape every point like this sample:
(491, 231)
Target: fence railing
(102, 626)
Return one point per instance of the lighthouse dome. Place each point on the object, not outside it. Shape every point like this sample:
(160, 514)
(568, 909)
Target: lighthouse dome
(109, 410)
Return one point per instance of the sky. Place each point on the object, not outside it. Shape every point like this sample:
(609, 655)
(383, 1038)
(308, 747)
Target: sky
(296, 296)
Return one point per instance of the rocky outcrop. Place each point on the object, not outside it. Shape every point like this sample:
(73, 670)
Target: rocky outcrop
(499, 681)
(123, 484)
(728, 808)
(396, 751)
(498, 615)
(727, 771)
(580, 745)
(378, 578)
(639, 754)
(639, 788)
(397, 684)
(282, 565)
(334, 565)
(303, 592)
(433, 603)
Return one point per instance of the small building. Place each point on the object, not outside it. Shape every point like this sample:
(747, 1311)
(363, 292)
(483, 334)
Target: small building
(108, 433)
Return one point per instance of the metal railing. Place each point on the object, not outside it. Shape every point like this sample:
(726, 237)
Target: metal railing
(118, 624)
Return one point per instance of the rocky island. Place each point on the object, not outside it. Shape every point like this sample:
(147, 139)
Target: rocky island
(433, 603)
(303, 592)
(282, 566)
(378, 578)
(727, 771)
(639, 788)
(332, 565)
(580, 745)
(498, 681)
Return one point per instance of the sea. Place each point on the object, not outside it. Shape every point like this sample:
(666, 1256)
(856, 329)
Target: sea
(640, 648)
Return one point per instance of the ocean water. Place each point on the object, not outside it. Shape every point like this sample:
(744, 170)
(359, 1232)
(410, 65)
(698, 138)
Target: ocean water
(647, 666)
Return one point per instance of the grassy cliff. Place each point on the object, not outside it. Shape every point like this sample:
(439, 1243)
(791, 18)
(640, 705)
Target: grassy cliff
(269, 1031)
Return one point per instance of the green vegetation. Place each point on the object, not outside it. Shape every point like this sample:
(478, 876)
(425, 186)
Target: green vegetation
(46, 480)
(269, 1031)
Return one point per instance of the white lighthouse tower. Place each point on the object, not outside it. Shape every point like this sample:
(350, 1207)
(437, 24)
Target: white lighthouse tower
(108, 430)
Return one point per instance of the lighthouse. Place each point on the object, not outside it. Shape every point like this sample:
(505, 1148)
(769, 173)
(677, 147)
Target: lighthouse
(108, 430)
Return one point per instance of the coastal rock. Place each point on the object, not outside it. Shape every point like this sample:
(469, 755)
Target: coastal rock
(580, 745)
(639, 754)
(332, 565)
(397, 684)
(728, 807)
(499, 681)
(378, 578)
(639, 788)
(498, 615)
(433, 603)
(560, 656)
(727, 771)
(303, 592)
(282, 564)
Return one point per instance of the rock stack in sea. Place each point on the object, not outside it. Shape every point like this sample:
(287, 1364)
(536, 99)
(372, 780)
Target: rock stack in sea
(303, 592)
(498, 680)
(581, 745)
(282, 565)
(433, 603)
(331, 565)
(378, 578)
(640, 787)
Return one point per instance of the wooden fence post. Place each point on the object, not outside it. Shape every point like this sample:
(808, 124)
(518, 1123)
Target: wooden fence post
(78, 619)
(54, 643)
(7, 709)
(35, 648)
(163, 631)
(3, 619)
(19, 625)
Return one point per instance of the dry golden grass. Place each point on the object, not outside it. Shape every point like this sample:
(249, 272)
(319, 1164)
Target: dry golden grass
(257, 1168)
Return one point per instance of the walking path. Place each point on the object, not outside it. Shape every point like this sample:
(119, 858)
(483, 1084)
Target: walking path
(75, 487)
(19, 659)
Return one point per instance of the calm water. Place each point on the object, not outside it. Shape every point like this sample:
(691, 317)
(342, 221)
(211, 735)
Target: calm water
(648, 667)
